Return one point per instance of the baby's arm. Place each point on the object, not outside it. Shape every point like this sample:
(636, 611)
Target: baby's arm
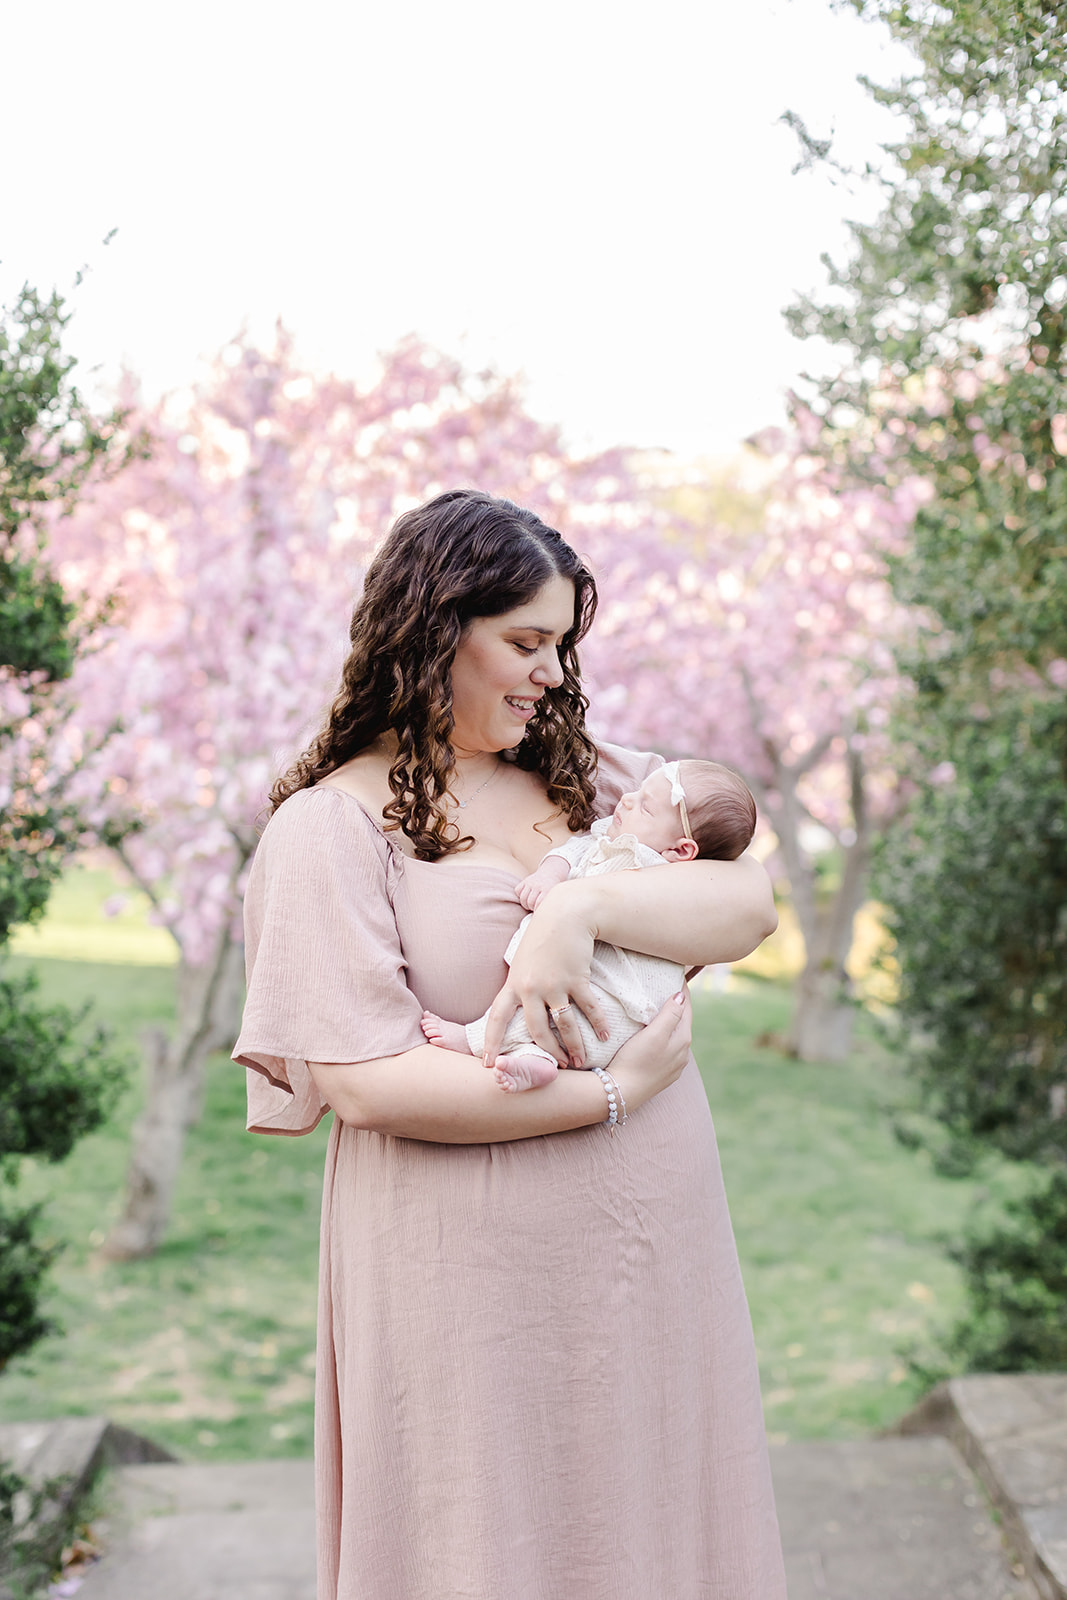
(558, 864)
(531, 890)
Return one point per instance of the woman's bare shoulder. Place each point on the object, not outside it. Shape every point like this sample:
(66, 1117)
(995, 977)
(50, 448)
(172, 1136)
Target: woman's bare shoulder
(619, 769)
(366, 778)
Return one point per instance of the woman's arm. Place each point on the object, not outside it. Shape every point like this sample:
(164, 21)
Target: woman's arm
(695, 913)
(446, 1098)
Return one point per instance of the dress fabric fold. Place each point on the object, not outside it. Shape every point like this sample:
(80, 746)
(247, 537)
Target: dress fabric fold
(536, 1375)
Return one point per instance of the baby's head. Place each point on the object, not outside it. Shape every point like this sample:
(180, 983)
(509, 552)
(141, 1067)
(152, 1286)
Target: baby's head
(689, 809)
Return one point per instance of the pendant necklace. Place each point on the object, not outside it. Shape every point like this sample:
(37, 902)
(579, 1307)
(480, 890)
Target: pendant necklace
(461, 805)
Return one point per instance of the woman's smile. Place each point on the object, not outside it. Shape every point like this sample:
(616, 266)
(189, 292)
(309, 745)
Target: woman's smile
(523, 706)
(453, 1211)
(489, 707)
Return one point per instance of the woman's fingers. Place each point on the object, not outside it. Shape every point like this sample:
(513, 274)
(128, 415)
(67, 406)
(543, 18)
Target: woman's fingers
(670, 1031)
(565, 1024)
(585, 998)
(554, 1027)
(582, 998)
(565, 1020)
(677, 1016)
(537, 1021)
(499, 1015)
(683, 1016)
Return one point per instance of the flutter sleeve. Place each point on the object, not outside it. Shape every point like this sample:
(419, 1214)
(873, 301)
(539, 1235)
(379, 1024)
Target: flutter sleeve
(326, 973)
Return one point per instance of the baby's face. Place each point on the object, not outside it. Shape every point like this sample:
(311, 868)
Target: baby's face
(650, 815)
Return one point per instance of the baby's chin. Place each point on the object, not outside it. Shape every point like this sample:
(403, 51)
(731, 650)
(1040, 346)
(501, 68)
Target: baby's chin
(618, 830)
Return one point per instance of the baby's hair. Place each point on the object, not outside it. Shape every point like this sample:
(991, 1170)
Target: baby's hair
(721, 810)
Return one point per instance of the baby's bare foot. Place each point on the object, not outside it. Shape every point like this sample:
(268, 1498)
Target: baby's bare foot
(446, 1035)
(516, 1073)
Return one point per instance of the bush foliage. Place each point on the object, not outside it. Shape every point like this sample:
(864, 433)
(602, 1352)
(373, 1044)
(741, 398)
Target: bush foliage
(976, 884)
(952, 313)
(56, 1076)
(1016, 1274)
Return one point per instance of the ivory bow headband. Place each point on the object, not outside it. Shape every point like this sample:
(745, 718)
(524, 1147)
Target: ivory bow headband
(670, 772)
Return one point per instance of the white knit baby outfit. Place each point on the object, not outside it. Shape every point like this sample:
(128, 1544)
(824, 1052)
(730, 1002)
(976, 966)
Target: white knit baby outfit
(631, 987)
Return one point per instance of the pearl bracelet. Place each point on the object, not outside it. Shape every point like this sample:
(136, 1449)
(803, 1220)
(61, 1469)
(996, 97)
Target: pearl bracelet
(615, 1099)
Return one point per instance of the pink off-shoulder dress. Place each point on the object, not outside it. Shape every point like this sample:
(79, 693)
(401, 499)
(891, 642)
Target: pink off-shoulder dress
(536, 1375)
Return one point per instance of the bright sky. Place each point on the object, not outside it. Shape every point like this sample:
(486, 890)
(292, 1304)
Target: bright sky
(596, 193)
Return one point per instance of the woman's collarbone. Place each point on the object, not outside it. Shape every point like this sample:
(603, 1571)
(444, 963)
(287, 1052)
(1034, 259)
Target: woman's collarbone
(512, 837)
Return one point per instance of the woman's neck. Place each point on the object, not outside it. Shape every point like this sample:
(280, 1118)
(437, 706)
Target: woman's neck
(469, 765)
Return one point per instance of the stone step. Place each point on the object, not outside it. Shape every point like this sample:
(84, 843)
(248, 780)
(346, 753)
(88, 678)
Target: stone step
(901, 1518)
(57, 1461)
(71, 1449)
(1011, 1429)
(888, 1519)
(208, 1531)
(885, 1519)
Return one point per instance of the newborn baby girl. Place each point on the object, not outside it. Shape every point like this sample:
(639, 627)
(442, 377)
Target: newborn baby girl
(682, 811)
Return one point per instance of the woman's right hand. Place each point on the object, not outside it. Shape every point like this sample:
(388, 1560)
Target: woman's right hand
(655, 1058)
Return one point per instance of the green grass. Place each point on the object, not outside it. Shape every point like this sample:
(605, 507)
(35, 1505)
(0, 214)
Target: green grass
(841, 1230)
(77, 927)
(208, 1347)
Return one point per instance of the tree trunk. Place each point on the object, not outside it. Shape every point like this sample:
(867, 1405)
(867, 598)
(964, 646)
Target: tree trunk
(158, 1139)
(173, 1099)
(820, 1028)
(224, 1023)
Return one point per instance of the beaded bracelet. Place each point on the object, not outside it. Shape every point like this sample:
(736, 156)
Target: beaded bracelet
(615, 1099)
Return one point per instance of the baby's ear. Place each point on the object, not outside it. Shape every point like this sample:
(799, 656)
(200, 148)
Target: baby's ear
(684, 850)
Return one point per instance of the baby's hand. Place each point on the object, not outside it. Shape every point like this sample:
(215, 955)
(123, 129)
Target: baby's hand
(531, 890)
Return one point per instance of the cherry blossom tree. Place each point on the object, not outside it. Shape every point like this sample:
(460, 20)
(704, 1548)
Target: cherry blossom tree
(771, 649)
(236, 547)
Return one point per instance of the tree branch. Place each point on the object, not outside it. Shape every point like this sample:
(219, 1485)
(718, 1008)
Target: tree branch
(147, 889)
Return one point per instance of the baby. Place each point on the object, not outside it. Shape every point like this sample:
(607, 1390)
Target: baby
(682, 811)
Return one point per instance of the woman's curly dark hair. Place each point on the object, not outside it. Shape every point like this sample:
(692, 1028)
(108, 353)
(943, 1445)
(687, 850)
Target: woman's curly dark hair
(460, 556)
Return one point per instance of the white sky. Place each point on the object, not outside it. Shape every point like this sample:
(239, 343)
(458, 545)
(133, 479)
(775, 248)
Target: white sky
(596, 193)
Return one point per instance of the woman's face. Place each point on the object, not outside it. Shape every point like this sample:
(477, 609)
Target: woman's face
(504, 664)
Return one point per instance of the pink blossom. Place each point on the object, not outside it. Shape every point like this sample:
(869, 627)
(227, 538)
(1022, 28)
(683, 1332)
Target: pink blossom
(235, 551)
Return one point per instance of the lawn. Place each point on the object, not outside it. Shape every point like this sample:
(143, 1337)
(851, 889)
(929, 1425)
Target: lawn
(840, 1229)
(208, 1347)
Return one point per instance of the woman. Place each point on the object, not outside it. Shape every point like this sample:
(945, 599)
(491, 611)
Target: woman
(536, 1377)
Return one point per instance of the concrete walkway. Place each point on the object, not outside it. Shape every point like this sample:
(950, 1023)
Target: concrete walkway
(969, 1502)
(219, 1531)
(888, 1519)
(892, 1519)
(1012, 1431)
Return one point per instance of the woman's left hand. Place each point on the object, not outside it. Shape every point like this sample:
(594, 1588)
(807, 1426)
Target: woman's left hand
(550, 974)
